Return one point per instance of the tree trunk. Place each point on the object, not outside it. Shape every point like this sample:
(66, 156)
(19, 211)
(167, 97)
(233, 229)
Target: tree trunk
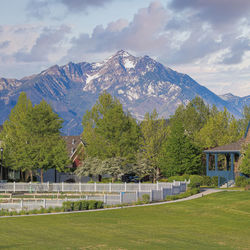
(31, 176)
(41, 175)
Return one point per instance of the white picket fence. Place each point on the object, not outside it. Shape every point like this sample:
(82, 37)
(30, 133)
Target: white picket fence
(121, 193)
(87, 187)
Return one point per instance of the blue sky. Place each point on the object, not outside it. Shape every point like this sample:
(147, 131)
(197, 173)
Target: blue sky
(209, 40)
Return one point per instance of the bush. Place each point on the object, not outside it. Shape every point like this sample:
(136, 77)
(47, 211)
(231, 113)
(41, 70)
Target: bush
(163, 180)
(247, 187)
(206, 181)
(214, 181)
(92, 204)
(183, 195)
(67, 206)
(77, 205)
(99, 204)
(84, 205)
(242, 181)
(195, 181)
(177, 178)
(145, 198)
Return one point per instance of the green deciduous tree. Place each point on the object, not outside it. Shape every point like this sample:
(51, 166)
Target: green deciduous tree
(193, 117)
(245, 160)
(179, 155)
(47, 148)
(108, 131)
(220, 129)
(91, 166)
(154, 131)
(32, 138)
(15, 137)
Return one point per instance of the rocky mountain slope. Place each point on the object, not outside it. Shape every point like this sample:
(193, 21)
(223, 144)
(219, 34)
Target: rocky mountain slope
(140, 83)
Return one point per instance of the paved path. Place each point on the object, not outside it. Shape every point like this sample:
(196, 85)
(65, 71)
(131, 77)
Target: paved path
(199, 195)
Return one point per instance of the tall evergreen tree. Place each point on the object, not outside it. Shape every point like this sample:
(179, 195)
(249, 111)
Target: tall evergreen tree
(179, 155)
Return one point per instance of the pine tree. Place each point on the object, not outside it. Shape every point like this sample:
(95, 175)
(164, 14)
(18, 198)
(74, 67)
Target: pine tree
(179, 155)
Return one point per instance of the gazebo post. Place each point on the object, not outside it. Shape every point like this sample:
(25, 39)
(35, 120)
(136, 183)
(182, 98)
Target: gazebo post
(216, 162)
(232, 165)
(207, 162)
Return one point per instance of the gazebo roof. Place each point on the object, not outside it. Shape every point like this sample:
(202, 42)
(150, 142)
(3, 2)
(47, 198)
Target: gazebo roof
(234, 147)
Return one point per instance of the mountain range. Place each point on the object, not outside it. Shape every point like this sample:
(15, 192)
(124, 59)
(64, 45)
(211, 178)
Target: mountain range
(140, 83)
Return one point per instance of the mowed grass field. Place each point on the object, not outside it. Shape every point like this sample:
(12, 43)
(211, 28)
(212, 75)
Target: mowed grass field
(217, 221)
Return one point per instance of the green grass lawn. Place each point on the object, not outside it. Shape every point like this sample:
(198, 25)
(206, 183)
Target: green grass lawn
(217, 221)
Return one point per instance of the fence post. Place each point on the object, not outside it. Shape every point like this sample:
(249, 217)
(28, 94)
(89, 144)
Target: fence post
(125, 186)
(21, 204)
(162, 196)
(105, 198)
(44, 203)
(110, 187)
(139, 186)
(86, 197)
(14, 186)
(80, 187)
(171, 188)
(157, 185)
(62, 187)
(136, 195)
(95, 186)
(48, 186)
(151, 195)
(121, 197)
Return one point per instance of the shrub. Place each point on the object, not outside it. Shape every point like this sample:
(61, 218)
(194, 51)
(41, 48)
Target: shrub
(77, 205)
(183, 195)
(145, 198)
(99, 204)
(242, 181)
(214, 181)
(67, 206)
(195, 181)
(163, 180)
(92, 204)
(247, 187)
(206, 181)
(84, 205)
(176, 178)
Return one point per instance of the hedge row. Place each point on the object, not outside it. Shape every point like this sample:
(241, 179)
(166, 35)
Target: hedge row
(183, 195)
(81, 205)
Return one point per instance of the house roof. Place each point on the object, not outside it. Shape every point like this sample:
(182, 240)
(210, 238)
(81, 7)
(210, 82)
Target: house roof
(72, 142)
(234, 147)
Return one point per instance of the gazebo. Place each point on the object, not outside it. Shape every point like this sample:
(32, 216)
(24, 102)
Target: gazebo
(223, 161)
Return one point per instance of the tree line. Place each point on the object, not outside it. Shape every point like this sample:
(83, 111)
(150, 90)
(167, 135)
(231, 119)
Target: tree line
(117, 144)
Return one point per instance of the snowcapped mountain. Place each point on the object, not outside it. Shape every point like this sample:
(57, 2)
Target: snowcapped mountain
(140, 83)
(236, 101)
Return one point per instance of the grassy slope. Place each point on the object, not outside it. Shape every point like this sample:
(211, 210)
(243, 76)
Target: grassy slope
(217, 221)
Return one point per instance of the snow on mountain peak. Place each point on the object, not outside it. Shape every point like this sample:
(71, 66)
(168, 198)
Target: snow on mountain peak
(129, 64)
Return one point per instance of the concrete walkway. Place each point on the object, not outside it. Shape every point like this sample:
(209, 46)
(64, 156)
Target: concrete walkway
(199, 195)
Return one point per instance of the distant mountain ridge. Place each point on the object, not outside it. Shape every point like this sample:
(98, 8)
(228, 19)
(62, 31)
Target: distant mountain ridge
(140, 83)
